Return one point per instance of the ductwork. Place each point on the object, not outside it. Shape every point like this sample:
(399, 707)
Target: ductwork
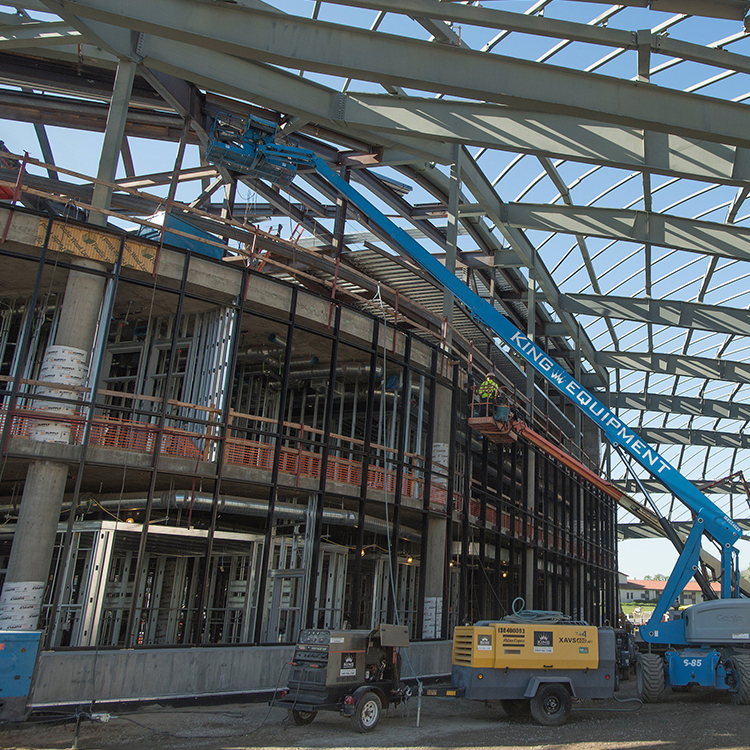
(240, 506)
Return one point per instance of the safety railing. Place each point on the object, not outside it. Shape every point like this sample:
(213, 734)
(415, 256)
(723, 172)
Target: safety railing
(300, 456)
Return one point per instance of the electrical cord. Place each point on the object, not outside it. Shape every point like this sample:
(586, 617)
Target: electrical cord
(521, 615)
(617, 710)
(78, 716)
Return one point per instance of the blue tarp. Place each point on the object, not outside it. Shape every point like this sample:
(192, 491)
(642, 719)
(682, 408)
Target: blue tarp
(188, 243)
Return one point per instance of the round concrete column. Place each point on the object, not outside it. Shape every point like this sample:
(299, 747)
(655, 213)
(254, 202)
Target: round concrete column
(434, 566)
(44, 489)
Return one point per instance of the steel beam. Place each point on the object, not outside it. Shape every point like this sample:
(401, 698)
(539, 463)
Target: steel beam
(478, 16)
(33, 35)
(692, 235)
(653, 487)
(479, 185)
(40, 109)
(334, 49)
(642, 531)
(677, 364)
(704, 438)
(693, 315)
(553, 135)
(550, 134)
(697, 407)
(113, 135)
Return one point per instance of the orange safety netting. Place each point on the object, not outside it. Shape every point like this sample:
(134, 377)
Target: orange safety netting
(141, 437)
(118, 434)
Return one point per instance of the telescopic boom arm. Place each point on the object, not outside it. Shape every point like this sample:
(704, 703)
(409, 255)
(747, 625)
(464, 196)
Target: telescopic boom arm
(709, 519)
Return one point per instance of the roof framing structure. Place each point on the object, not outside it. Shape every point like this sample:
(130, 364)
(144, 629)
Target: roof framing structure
(604, 163)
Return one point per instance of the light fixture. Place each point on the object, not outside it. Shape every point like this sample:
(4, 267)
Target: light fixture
(409, 560)
(129, 520)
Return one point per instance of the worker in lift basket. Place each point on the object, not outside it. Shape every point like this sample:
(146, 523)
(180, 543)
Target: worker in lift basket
(491, 392)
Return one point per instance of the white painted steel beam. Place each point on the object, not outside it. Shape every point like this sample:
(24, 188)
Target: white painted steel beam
(652, 486)
(479, 16)
(334, 49)
(705, 438)
(697, 407)
(663, 312)
(677, 364)
(728, 241)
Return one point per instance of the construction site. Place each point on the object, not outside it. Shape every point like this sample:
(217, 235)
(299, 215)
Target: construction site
(327, 322)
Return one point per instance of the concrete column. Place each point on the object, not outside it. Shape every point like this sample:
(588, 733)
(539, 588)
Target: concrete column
(433, 566)
(44, 488)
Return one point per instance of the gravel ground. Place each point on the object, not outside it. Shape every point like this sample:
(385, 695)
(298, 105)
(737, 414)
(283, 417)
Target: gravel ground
(700, 720)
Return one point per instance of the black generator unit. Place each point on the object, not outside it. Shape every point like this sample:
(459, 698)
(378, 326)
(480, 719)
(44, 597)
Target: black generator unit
(354, 672)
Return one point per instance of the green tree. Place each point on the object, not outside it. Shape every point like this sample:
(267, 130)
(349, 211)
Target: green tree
(657, 577)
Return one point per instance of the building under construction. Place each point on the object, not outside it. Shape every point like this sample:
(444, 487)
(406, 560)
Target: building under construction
(219, 429)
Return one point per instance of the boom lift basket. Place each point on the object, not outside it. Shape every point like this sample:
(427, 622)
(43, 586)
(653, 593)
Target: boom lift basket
(249, 145)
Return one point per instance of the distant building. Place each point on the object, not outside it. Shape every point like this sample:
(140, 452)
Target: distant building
(633, 590)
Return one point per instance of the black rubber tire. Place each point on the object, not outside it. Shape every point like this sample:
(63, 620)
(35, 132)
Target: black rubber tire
(301, 718)
(649, 677)
(741, 666)
(516, 707)
(367, 713)
(550, 707)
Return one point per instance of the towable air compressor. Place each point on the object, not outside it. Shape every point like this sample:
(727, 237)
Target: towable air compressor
(535, 668)
(354, 672)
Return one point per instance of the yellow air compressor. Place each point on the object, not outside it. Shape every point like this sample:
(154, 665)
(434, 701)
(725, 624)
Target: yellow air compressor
(535, 667)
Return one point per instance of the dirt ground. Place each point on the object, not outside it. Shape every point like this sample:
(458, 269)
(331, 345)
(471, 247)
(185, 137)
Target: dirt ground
(699, 720)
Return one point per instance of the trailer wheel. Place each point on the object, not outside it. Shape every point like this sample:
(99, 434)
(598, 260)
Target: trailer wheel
(516, 707)
(367, 713)
(741, 664)
(649, 676)
(551, 705)
(301, 718)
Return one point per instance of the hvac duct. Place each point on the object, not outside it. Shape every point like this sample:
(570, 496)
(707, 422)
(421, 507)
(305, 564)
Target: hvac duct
(240, 506)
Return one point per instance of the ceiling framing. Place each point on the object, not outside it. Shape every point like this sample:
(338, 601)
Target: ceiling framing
(604, 156)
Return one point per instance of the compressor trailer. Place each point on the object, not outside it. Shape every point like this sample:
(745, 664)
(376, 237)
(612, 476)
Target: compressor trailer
(354, 672)
(535, 668)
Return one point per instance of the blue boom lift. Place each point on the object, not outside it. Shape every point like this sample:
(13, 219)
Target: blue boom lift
(710, 645)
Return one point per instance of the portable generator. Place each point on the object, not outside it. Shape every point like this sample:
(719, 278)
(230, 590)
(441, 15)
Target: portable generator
(355, 672)
(536, 668)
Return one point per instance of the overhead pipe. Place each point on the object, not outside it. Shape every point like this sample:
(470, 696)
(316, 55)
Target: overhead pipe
(239, 506)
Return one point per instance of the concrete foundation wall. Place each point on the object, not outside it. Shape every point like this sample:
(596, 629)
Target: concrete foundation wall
(83, 676)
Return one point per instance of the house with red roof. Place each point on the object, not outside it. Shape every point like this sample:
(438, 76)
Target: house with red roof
(634, 590)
